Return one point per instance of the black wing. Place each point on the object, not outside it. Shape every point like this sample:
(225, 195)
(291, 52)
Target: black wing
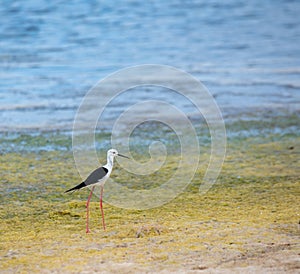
(96, 175)
(93, 178)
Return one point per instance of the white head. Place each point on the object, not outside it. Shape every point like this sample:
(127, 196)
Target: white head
(113, 152)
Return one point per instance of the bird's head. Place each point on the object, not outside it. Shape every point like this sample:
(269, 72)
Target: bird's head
(114, 152)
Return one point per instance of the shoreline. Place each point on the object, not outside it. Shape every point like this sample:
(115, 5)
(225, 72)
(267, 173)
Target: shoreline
(251, 127)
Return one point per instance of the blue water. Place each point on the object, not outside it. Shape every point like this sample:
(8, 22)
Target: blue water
(247, 53)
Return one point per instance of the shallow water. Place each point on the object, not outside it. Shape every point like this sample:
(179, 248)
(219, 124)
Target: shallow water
(52, 53)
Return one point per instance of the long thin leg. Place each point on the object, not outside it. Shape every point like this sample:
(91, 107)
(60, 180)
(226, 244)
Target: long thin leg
(101, 207)
(87, 210)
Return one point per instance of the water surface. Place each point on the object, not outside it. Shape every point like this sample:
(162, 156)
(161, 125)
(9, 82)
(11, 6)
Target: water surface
(52, 52)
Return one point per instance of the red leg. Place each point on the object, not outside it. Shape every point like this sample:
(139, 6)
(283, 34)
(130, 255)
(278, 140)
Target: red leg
(101, 207)
(87, 210)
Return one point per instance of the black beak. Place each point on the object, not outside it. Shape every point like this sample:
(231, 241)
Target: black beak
(123, 156)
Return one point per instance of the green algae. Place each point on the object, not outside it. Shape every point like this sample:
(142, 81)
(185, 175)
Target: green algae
(252, 209)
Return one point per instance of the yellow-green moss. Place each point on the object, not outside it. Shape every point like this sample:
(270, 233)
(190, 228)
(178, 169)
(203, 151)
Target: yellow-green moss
(254, 205)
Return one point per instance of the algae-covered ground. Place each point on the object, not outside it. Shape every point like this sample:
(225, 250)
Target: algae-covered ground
(248, 222)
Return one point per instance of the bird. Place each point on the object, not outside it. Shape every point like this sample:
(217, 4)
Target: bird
(98, 177)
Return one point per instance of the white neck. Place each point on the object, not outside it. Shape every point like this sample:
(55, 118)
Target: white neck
(110, 161)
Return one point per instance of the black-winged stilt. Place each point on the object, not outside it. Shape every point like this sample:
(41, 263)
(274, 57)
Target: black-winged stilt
(98, 177)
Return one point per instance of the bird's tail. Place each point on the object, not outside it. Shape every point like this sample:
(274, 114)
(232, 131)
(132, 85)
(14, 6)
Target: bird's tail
(76, 187)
